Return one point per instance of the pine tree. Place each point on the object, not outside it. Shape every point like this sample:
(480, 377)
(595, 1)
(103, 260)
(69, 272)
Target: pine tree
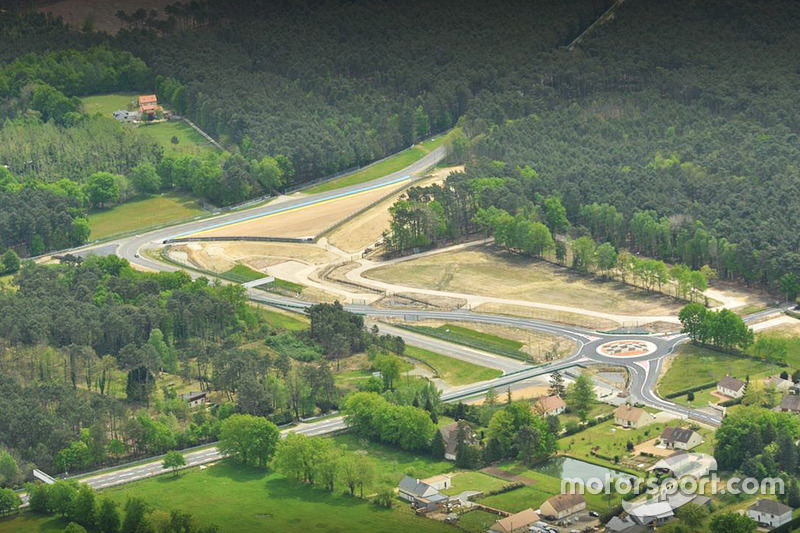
(438, 446)
(793, 495)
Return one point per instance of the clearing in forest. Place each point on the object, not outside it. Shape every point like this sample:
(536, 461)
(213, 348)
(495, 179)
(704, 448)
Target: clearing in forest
(497, 274)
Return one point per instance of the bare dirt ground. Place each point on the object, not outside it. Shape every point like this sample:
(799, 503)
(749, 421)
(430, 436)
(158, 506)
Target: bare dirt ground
(488, 272)
(527, 393)
(102, 13)
(307, 221)
(368, 228)
(560, 317)
(223, 256)
(415, 300)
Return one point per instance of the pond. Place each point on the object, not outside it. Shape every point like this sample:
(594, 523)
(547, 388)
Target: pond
(567, 467)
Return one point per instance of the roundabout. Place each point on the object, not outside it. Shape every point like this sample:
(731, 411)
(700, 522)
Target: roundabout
(626, 348)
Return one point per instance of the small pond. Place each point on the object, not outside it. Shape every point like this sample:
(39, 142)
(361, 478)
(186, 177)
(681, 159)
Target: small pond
(567, 467)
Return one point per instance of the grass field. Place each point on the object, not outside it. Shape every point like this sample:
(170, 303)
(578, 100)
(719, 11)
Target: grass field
(162, 132)
(141, 214)
(389, 165)
(105, 104)
(453, 371)
(284, 319)
(474, 481)
(694, 365)
(489, 272)
(608, 440)
(477, 521)
(243, 499)
(188, 139)
(791, 332)
(473, 339)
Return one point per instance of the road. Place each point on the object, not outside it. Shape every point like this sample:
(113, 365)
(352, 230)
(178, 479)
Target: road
(643, 369)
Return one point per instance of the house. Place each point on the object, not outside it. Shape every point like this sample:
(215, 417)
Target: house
(731, 387)
(451, 434)
(516, 522)
(423, 496)
(563, 505)
(441, 482)
(148, 106)
(780, 384)
(624, 525)
(549, 405)
(769, 513)
(679, 438)
(790, 404)
(194, 398)
(652, 513)
(629, 416)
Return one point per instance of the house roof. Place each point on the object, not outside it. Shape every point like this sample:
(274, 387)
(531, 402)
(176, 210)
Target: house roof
(192, 396)
(416, 487)
(731, 383)
(450, 434)
(777, 382)
(629, 413)
(618, 525)
(149, 107)
(562, 502)
(770, 507)
(147, 99)
(647, 512)
(549, 403)
(790, 402)
(435, 479)
(515, 521)
(674, 434)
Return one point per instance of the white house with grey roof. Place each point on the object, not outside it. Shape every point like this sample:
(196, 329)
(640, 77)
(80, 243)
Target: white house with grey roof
(769, 513)
(675, 438)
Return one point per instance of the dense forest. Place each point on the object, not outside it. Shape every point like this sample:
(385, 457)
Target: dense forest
(94, 357)
(680, 146)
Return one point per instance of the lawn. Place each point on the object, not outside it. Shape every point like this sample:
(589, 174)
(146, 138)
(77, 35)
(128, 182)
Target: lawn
(391, 463)
(284, 319)
(453, 371)
(477, 521)
(382, 168)
(694, 365)
(188, 139)
(473, 339)
(791, 332)
(534, 495)
(608, 440)
(474, 481)
(244, 499)
(105, 104)
(243, 274)
(142, 214)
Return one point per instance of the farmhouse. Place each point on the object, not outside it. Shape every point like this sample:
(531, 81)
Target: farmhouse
(563, 505)
(730, 387)
(769, 513)
(549, 405)
(451, 434)
(790, 404)
(148, 107)
(516, 522)
(629, 416)
(679, 438)
(194, 398)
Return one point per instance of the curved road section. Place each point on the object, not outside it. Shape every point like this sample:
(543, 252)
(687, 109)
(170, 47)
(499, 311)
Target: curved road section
(643, 364)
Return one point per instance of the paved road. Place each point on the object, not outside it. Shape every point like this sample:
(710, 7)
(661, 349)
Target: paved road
(643, 370)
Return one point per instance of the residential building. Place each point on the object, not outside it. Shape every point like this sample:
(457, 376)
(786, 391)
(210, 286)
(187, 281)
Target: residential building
(679, 438)
(520, 521)
(652, 514)
(624, 525)
(441, 482)
(194, 399)
(549, 405)
(790, 404)
(451, 434)
(148, 106)
(769, 513)
(562, 505)
(629, 416)
(781, 385)
(731, 387)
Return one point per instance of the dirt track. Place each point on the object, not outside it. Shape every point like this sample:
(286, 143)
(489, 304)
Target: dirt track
(305, 221)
